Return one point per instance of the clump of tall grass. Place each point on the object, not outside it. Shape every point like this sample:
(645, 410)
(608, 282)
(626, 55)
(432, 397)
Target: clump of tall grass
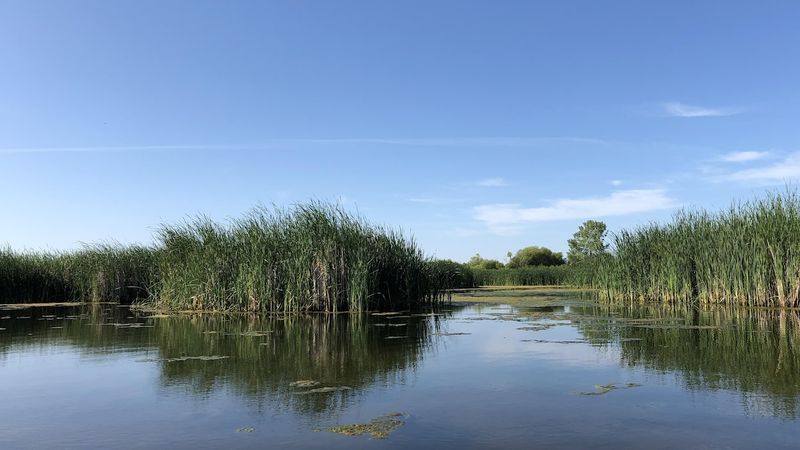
(449, 274)
(523, 276)
(314, 257)
(749, 255)
(104, 272)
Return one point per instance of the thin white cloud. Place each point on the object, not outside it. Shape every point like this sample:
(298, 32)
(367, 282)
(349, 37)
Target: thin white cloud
(782, 171)
(616, 182)
(508, 141)
(501, 141)
(744, 156)
(492, 182)
(508, 218)
(109, 148)
(677, 109)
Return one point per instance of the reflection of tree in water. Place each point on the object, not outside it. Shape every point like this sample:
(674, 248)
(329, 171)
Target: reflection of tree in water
(750, 350)
(264, 353)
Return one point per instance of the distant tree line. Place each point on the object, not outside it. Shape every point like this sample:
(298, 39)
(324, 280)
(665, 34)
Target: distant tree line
(535, 265)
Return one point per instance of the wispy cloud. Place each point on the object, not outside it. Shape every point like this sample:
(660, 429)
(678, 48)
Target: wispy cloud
(508, 218)
(492, 182)
(743, 156)
(507, 141)
(616, 182)
(109, 148)
(499, 141)
(786, 170)
(677, 109)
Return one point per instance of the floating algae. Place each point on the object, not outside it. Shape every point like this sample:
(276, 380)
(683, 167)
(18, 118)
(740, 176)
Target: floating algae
(676, 327)
(603, 389)
(198, 358)
(538, 327)
(304, 384)
(187, 358)
(377, 428)
(245, 430)
(252, 333)
(544, 341)
(131, 325)
(324, 390)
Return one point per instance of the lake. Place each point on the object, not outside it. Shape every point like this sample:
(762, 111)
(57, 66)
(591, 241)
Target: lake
(508, 369)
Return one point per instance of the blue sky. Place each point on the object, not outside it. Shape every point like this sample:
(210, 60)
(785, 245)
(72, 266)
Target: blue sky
(475, 126)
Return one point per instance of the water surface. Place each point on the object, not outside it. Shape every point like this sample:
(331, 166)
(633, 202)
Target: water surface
(526, 371)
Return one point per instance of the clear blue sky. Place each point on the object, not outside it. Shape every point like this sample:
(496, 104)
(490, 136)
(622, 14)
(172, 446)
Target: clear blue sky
(479, 126)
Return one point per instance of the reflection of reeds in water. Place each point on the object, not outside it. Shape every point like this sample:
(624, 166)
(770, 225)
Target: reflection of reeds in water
(750, 350)
(265, 354)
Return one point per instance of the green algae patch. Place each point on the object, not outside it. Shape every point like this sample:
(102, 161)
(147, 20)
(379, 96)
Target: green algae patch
(378, 428)
(252, 333)
(325, 390)
(245, 430)
(304, 384)
(538, 327)
(187, 358)
(603, 389)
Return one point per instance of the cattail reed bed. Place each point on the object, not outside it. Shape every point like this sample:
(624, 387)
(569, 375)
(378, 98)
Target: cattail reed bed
(523, 276)
(747, 255)
(313, 257)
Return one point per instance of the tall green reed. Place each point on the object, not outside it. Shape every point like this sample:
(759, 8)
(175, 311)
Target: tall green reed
(748, 254)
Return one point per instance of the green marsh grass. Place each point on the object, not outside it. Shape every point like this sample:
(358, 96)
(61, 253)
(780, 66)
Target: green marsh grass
(103, 272)
(525, 276)
(313, 257)
(747, 255)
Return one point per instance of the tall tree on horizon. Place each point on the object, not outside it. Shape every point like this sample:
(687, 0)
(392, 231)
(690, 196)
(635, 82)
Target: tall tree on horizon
(587, 242)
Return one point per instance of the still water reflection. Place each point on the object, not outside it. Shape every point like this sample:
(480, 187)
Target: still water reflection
(525, 371)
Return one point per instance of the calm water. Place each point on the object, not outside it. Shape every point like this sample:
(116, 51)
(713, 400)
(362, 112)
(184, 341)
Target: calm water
(564, 373)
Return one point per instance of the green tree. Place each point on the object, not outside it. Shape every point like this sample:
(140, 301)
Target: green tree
(536, 256)
(588, 241)
(477, 262)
